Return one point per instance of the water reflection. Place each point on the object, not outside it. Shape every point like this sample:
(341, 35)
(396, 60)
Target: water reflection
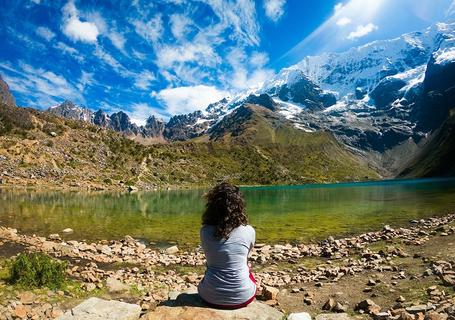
(278, 213)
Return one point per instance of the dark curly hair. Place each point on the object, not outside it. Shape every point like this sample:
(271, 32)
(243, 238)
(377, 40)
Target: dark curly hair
(225, 209)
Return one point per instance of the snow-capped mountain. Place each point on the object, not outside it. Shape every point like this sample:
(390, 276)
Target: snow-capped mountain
(373, 98)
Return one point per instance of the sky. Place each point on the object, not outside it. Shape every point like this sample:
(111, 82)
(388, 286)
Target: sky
(167, 57)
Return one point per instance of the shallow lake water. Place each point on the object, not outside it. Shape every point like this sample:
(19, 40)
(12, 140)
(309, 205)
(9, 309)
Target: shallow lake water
(279, 213)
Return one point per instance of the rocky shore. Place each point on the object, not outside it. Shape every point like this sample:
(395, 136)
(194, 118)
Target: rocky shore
(147, 276)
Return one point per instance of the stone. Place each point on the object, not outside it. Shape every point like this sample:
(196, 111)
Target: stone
(270, 293)
(172, 250)
(54, 236)
(333, 316)
(329, 304)
(432, 315)
(115, 286)
(420, 308)
(254, 311)
(368, 306)
(299, 316)
(89, 286)
(67, 230)
(26, 297)
(99, 309)
(132, 189)
(53, 133)
(20, 312)
(340, 308)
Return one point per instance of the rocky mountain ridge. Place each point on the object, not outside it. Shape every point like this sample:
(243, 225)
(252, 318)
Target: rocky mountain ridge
(117, 121)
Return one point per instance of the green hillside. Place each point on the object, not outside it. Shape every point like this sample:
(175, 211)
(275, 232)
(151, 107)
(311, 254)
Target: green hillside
(39, 149)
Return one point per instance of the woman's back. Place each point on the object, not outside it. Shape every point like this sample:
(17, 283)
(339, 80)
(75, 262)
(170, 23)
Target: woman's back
(227, 280)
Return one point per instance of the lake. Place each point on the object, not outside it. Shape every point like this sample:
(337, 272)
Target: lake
(279, 213)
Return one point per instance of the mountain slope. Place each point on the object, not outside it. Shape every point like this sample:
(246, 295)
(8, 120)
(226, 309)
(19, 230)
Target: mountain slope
(5, 95)
(43, 149)
(436, 159)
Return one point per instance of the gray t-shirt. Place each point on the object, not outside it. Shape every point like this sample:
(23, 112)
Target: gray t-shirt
(227, 280)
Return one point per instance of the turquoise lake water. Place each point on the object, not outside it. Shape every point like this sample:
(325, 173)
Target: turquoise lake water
(279, 213)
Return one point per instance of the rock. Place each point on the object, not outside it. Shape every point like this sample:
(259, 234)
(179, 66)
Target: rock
(333, 316)
(68, 230)
(132, 189)
(329, 305)
(340, 308)
(53, 133)
(254, 311)
(172, 250)
(26, 297)
(99, 309)
(20, 312)
(270, 293)
(368, 306)
(54, 236)
(420, 308)
(115, 286)
(299, 316)
(401, 299)
(89, 286)
(432, 315)
(405, 316)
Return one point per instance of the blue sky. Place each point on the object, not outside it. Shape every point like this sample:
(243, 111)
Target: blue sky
(167, 57)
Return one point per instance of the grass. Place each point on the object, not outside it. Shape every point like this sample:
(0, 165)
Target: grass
(36, 270)
(260, 153)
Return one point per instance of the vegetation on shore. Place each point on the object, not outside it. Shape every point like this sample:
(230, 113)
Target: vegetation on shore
(39, 148)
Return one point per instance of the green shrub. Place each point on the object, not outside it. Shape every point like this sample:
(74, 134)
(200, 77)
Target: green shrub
(34, 270)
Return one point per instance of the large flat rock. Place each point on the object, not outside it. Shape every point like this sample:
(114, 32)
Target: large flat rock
(99, 309)
(190, 306)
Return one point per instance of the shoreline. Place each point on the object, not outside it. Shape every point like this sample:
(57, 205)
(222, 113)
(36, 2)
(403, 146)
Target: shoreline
(155, 274)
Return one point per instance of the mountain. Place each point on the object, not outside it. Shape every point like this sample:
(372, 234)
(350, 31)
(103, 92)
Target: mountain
(5, 95)
(436, 159)
(382, 100)
(42, 149)
(119, 121)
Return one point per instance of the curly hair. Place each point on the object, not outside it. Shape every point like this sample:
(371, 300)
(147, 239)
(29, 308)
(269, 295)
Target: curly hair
(225, 209)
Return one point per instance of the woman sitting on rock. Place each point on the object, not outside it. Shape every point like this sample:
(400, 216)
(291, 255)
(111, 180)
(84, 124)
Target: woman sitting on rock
(226, 239)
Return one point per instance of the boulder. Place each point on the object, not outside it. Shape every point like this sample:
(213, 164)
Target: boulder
(99, 309)
(115, 286)
(299, 316)
(333, 316)
(172, 250)
(270, 293)
(67, 230)
(189, 306)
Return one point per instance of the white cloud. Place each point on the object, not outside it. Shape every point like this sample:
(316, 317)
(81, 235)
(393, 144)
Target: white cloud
(239, 17)
(259, 59)
(338, 7)
(187, 99)
(41, 88)
(140, 112)
(86, 79)
(144, 79)
(150, 30)
(245, 73)
(117, 39)
(344, 21)
(76, 29)
(180, 25)
(362, 31)
(202, 53)
(69, 50)
(274, 9)
(45, 33)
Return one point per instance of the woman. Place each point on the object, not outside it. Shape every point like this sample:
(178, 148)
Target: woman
(226, 240)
